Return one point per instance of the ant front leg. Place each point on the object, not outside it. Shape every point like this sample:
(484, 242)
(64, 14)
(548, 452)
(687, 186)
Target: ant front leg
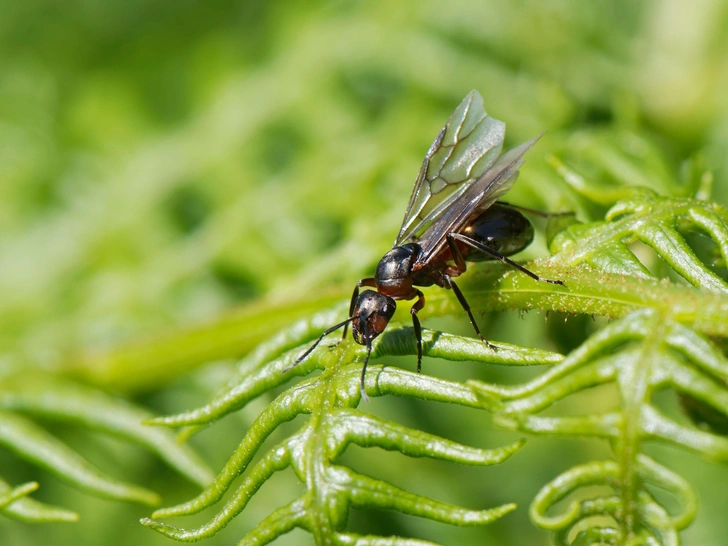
(450, 284)
(419, 304)
(369, 281)
(497, 255)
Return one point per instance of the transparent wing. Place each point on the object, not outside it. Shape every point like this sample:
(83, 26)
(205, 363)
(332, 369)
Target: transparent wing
(478, 196)
(467, 147)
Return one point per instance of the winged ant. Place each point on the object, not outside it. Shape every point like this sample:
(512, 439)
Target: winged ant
(453, 217)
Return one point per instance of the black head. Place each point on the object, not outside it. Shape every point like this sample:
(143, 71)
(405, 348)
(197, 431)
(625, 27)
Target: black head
(372, 313)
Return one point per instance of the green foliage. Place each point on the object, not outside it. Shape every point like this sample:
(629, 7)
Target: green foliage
(26, 395)
(179, 184)
(330, 400)
(640, 353)
(657, 346)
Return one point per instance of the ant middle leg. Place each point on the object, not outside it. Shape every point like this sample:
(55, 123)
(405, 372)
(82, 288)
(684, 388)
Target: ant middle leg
(460, 267)
(419, 304)
(449, 283)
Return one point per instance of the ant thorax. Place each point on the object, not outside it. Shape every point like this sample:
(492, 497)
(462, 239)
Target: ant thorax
(394, 272)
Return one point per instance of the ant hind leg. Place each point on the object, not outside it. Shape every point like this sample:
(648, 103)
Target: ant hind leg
(449, 283)
(419, 304)
(498, 256)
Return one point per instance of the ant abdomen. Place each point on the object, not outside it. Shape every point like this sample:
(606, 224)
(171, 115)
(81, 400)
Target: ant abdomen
(501, 228)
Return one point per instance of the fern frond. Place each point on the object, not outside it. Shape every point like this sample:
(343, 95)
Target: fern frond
(334, 423)
(604, 277)
(10, 495)
(14, 503)
(657, 343)
(658, 222)
(31, 442)
(641, 353)
(651, 521)
(43, 396)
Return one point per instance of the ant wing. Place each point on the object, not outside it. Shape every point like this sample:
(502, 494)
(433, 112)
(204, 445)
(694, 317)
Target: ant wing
(476, 198)
(465, 149)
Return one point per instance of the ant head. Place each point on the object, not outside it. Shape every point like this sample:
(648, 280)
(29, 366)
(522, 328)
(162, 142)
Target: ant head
(372, 313)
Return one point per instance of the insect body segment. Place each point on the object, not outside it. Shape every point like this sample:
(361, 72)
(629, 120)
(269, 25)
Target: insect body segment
(501, 228)
(452, 217)
(394, 272)
(372, 313)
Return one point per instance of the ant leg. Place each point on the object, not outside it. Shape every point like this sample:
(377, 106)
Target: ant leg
(449, 283)
(461, 266)
(419, 304)
(312, 347)
(498, 256)
(457, 256)
(533, 211)
(369, 281)
(368, 341)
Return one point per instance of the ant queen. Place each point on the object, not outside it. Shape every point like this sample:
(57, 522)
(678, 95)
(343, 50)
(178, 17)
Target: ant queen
(453, 217)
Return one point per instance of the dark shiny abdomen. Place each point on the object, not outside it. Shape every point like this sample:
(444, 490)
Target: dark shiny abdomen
(501, 228)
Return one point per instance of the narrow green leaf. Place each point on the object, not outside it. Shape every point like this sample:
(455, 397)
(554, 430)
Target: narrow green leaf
(349, 539)
(31, 511)
(11, 495)
(53, 398)
(367, 492)
(36, 445)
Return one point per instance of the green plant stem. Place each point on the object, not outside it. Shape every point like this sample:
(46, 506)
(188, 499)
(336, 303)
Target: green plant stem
(491, 287)
(149, 363)
(590, 291)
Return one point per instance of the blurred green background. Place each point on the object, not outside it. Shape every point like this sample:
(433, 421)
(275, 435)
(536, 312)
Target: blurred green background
(162, 163)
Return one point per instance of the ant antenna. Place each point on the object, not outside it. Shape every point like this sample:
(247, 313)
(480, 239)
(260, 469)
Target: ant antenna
(312, 347)
(368, 341)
